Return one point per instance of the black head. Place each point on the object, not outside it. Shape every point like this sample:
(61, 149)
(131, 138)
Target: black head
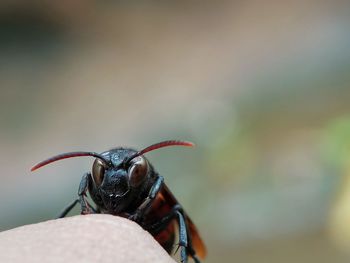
(118, 173)
(118, 178)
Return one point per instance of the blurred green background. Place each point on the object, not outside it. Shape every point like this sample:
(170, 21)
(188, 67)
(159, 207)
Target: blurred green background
(261, 87)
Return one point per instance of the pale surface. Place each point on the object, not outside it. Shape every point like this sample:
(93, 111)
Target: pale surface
(91, 238)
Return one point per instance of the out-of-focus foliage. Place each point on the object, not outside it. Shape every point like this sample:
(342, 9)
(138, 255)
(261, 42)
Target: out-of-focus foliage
(337, 142)
(338, 153)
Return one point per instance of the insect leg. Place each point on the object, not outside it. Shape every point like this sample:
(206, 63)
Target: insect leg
(85, 205)
(185, 241)
(94, 210)
(83, 187)
(182, 236)
(66, 210)
(190, 249)
(142, 209)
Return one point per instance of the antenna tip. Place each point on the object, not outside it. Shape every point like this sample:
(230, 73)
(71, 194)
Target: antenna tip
(187, 143)
(34, 168)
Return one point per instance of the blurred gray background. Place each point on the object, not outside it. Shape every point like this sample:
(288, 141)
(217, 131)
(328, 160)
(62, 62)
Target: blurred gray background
(261, 87)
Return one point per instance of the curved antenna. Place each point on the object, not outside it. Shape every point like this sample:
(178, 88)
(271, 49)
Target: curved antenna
(159, 145)
(66, 156)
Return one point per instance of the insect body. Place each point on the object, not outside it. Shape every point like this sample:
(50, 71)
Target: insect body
(124, 183)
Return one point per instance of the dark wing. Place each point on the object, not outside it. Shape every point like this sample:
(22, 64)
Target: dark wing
(197, 242)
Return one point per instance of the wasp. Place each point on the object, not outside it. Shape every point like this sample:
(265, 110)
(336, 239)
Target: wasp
(124, 183)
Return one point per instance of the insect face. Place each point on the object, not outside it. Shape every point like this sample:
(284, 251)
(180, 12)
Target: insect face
(115, 181)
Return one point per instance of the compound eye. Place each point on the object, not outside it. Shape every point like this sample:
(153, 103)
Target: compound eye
(138, 171)
(98, 171)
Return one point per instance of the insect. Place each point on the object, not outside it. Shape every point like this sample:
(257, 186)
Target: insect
(124, 183)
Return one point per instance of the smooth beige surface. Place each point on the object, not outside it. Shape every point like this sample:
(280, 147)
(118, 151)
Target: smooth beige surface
(91, 238)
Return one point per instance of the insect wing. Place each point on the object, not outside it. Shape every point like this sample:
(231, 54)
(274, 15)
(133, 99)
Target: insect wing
(197, 242)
